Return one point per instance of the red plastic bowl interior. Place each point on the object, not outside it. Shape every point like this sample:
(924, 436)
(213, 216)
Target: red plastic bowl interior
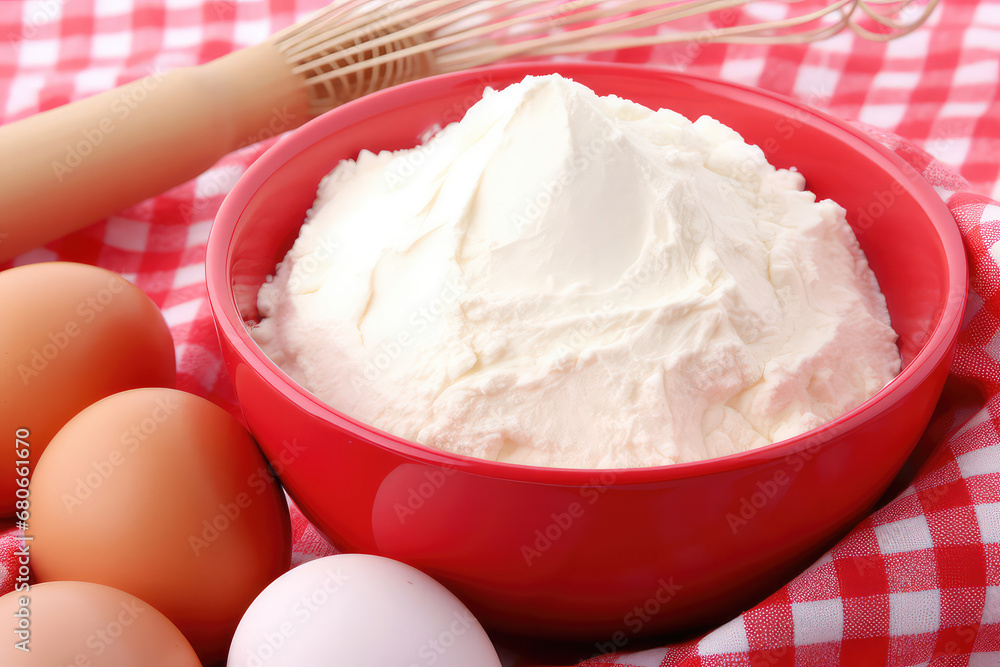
(573, 552)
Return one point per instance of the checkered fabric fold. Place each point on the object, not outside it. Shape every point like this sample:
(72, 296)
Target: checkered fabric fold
(916, 583)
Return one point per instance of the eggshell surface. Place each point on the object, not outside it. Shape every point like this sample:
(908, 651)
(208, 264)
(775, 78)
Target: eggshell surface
(362, 611)
(74, 624)
(164, 495)
(70, 335)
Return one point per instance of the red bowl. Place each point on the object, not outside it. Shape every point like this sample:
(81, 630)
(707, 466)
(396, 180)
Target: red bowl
(605, 555)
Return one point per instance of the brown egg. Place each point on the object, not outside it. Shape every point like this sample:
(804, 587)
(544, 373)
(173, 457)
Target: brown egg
(76, 624)
(164, 495)
(71, 334)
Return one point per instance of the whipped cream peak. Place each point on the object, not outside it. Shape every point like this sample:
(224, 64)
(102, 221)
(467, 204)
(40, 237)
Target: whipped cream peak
(563, 279)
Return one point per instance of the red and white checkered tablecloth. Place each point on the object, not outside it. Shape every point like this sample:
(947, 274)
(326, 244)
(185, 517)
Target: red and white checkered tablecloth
(918, 582)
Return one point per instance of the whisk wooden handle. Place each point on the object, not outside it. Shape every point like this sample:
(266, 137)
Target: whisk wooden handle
(63, 169)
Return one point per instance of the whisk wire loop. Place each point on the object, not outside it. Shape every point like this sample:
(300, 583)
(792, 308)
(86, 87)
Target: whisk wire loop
(353, 47)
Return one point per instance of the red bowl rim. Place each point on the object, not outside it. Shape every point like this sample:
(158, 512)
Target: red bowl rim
(230, 325)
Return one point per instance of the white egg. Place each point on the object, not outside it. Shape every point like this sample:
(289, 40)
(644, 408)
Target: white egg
(359, 611)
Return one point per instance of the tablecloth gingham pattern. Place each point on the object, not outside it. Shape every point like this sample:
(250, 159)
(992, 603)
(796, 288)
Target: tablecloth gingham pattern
(918, 582)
